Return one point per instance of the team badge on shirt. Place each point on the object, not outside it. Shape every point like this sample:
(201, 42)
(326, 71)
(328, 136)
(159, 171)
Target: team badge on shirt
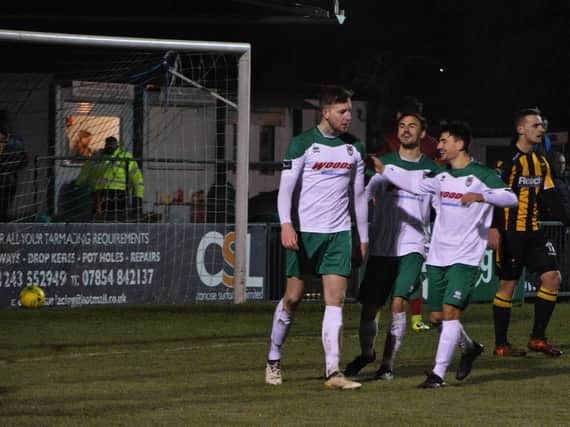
(469, 181)
(350, 150)
(286, 164)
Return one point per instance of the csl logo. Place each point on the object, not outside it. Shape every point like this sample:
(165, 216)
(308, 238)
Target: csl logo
(332, 165)
(450, 195)
(225, 275)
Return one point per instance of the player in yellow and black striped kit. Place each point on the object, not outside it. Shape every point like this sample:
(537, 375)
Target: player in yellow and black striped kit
(520, 242)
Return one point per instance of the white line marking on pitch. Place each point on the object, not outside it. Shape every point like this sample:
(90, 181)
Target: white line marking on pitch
(124, 352)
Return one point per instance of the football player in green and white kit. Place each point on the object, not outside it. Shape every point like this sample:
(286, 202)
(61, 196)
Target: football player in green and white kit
(399, 235)
(464, 198)
(328, 161)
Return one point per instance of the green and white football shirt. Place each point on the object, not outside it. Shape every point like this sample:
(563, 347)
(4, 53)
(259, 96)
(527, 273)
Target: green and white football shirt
(326, 167)
(400, 219)
(459, 234)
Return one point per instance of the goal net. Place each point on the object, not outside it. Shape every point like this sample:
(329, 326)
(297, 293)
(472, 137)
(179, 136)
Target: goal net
(134, 172)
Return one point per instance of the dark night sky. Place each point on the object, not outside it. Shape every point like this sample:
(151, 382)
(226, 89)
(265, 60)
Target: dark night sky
(496, 56)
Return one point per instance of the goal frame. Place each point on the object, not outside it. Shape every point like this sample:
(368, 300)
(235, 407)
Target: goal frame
(243, 113)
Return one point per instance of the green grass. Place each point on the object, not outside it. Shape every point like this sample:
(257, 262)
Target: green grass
(204, 365)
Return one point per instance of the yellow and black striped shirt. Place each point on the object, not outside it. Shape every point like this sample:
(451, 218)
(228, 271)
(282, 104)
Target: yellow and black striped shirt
(527, 174)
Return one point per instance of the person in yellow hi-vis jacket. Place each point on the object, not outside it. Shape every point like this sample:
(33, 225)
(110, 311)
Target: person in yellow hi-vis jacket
(111, 180)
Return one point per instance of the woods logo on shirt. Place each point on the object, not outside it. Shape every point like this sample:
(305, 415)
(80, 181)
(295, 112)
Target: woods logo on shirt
(332, 165)
(450, 195)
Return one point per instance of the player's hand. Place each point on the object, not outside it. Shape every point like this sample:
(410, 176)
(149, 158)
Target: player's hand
(469, 198)
(494, 239)
(356, 258)
(378, 165)
(358, 255)
(289, 237)
(363, 250)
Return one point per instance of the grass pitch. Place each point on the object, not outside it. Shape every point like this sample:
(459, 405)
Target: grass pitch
(204, 365)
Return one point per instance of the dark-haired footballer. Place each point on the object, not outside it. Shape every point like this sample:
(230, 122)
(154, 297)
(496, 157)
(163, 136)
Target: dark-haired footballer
(464, 198)
(519, 241)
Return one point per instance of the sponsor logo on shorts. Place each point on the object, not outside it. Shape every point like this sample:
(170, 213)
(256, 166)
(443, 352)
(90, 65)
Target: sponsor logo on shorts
(550, 248)
(457, 295)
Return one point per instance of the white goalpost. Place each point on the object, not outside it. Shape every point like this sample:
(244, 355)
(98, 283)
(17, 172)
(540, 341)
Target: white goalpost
(182, 109)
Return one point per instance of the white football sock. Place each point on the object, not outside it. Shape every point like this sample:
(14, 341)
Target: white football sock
(281, 323)
(448, 340)
(465, 342)
(331, 335)
(394, 339)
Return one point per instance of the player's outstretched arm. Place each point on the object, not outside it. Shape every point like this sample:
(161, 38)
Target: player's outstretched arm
(412, 181)
(373, 185)
(500, 197)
